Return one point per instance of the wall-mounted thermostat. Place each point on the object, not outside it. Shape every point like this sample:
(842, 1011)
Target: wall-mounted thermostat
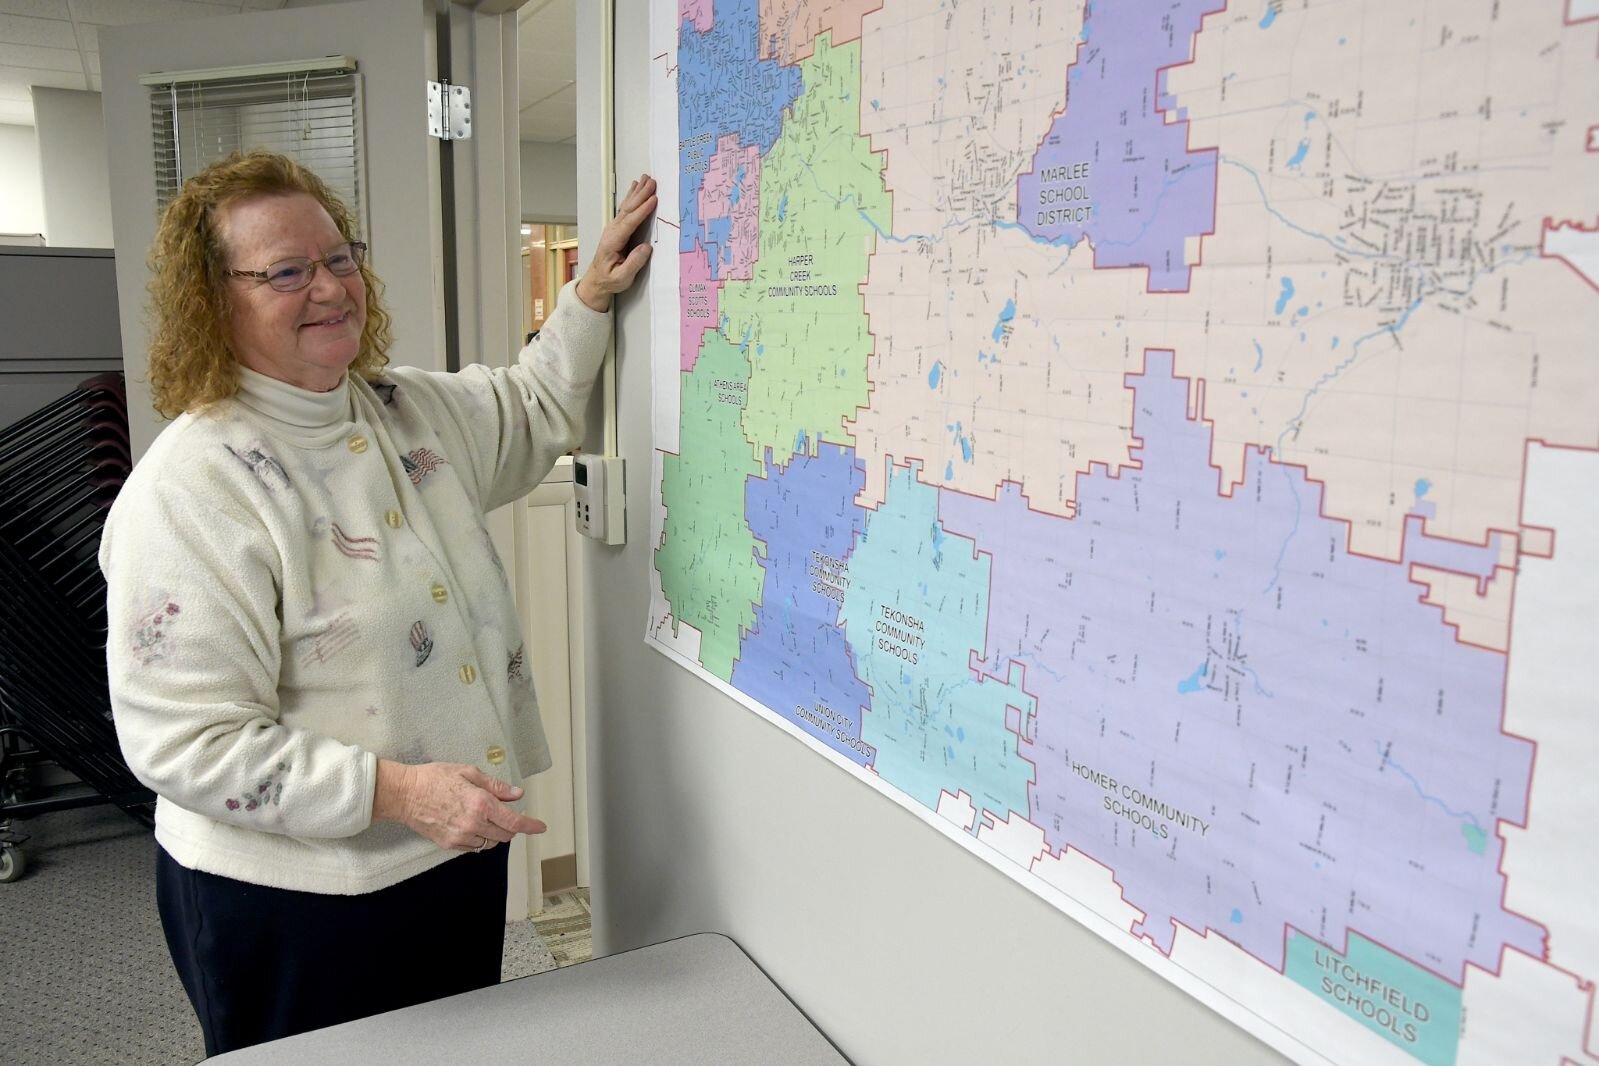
(601, 507)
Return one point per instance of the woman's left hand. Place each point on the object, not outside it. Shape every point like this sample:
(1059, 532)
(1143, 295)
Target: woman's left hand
(614, 267)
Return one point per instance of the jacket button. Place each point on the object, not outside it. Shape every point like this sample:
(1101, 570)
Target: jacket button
(393, 519)
(440, 593)
(496, 755)
(467, 674)
(357, 444)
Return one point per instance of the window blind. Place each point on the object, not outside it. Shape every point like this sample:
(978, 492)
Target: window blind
(310, 115)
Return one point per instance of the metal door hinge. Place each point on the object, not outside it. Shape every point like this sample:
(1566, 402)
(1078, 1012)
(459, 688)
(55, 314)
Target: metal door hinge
(449, 111)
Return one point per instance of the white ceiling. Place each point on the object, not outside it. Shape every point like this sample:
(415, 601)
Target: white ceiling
(54, 43)
(546, 57)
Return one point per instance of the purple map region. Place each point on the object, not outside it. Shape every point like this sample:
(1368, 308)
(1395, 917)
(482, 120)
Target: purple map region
(805, 512)
(1111, 168)
(723, 87)
(1251, 726)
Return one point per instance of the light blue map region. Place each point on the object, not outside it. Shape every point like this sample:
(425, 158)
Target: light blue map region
(1393, 998)
(724, 88)
(1111, 167)
(917, 604)
(796, 660)
(1251, 726)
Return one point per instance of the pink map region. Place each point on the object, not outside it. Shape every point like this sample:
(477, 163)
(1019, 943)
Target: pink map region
(789, 28)
(699, 12)
(730, 208)
(699, 292)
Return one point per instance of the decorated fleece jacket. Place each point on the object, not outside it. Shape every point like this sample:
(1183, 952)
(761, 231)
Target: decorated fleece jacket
(301, 583)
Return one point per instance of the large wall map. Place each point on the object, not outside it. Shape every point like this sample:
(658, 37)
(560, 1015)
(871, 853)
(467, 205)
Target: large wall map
(1158, 444)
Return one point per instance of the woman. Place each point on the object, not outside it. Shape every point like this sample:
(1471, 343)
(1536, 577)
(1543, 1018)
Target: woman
(314, 656)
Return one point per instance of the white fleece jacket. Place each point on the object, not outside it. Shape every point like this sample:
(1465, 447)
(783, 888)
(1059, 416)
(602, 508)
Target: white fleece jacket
(301, 583)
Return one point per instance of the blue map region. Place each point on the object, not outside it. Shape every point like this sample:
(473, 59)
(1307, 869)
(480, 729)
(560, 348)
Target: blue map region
(724, 87)
(805, 512)
(1111, 168)
(1318, 752)
(917, 605)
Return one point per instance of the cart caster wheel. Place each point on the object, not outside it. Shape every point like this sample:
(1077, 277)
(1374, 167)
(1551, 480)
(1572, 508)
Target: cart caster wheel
(13, 864)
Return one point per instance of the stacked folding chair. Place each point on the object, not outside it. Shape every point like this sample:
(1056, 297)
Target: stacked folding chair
(60, 469)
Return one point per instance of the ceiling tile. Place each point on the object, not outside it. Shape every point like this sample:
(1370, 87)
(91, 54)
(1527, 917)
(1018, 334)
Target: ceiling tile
(530, 8)
(535, 88)
(548, 62)
(49, 9)
(28, 55)
(562, 100)
(129, 12)
(51, 33)
(536, 129)
(557, 21)
(541, 134)
(51, 79)
(549, 121)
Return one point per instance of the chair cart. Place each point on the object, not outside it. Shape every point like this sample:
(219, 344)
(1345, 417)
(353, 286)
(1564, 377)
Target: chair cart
(60, 469)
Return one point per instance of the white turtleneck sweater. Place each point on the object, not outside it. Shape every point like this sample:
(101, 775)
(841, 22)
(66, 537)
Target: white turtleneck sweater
(301, 583)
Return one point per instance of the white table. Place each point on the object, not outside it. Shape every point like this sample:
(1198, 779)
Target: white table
(698, 1000)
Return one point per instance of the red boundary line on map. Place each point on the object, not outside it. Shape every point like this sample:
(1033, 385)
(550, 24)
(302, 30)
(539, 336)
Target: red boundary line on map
(1225, 490)
(1570, 20)
(1266, 453)
(1188, 148)
(1288, 927)
(765, 54)
(1550, 226)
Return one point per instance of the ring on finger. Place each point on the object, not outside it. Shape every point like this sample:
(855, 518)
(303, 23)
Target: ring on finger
(483, 842)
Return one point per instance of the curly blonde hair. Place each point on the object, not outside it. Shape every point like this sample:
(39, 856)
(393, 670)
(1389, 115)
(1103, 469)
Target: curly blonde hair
(192, 361)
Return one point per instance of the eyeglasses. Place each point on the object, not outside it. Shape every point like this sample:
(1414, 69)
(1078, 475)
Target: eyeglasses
(291, 275)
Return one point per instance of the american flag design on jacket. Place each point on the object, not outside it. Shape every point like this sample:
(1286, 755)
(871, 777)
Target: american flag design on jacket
(355, 547)
(420, 462)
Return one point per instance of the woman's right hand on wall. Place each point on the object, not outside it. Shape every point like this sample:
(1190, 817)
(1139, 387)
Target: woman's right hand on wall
(455, 805)
(615, 266)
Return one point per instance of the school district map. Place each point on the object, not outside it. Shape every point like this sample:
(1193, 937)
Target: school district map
(1157, 444)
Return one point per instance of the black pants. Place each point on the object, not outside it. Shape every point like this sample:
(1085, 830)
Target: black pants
(262, 963)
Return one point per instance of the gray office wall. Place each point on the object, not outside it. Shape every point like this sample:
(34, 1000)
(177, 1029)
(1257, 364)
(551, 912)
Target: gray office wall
(900, 946)
(59, 310)
(21, 202)
(72, 162)
(392, 40)
(549, 182)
